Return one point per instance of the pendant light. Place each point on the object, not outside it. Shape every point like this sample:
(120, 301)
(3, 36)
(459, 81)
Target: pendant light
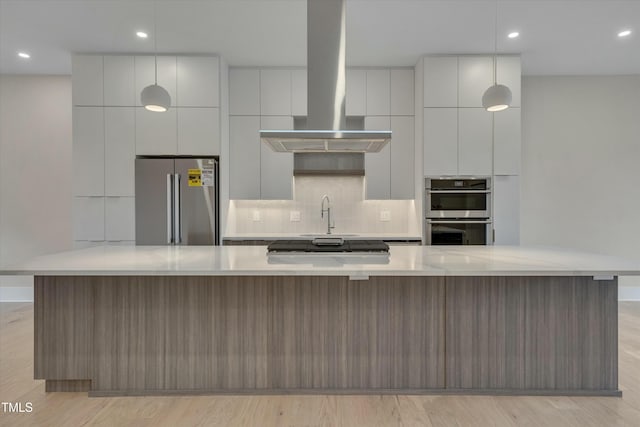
(154, 97)
(497, 97)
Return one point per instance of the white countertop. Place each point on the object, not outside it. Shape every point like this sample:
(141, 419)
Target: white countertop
(253, 260)
(303, 236)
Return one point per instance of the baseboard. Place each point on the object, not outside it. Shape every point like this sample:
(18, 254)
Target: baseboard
(16, 288)
(629, 293)
(16, 293)
(356, 392)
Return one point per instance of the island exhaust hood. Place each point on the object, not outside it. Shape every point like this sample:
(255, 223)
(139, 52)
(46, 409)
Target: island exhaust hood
(326, 77)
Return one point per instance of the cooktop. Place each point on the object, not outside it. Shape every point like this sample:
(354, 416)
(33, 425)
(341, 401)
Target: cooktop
(347, 246)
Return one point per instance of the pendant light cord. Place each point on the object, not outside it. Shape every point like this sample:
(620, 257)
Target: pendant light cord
(495, 46)
(155, 37)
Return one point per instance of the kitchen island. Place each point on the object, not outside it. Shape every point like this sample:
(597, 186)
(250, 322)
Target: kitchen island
(184, 320)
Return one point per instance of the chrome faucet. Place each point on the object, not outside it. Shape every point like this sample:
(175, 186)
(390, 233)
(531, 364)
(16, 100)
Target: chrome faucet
(328, 211)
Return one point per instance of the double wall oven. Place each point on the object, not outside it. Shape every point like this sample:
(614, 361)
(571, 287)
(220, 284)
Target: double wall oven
(458, 211)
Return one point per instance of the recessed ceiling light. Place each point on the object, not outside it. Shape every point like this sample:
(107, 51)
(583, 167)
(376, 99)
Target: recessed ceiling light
(624, 33)
(513, 35)
(24, 55)
(142, 34)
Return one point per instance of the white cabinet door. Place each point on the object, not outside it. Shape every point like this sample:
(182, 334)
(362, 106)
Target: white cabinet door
(276, 169)
(198, 80)
(119, 78)
(506, 213)
(356, 93)
(299, 92)
(475, 76)
(378, 93)
(441, 81)
(507, 142)
(119, 151)
(244, 92)
(275, 92)
(509, 74)
(87, 80)
(88, 218)
(88, 151)
(440, 141)
(198, 131)
(378, 165)
(402, 157)
(402, 92)
(120, 218)
(145, 75)
(244, 157)
(475, 135)
(156, 133)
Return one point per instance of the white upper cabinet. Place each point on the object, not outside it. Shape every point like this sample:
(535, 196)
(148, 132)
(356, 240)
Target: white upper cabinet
(275, 92)
(198, 131)
(506, 213)
(244, 157)
(156, 133)
(378, 95)
(145, 75)
(119, 151)
(507, 142)
(119, 81)
(276, 169)
(402, 147)
(475, 75)
(356, 93)
(378, 165)
(402, 92)
(299, 92)
(87, 80)
(474, 141)
(88, 151)
(509, 74)
(119, 219)
(440, 141)
(244, 92)
(441, 81)
(198, 81)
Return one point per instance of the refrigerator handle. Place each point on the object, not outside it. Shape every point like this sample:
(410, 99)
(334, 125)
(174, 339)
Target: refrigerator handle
(169, 208)
(177, 203)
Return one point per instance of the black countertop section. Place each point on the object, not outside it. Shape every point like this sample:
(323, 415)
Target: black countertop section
(360, 246)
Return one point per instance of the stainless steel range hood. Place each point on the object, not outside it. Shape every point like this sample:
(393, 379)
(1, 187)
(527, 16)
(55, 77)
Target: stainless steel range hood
(326, 78)
(323, 141)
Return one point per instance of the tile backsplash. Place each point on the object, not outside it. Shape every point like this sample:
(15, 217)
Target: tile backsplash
(350, 212)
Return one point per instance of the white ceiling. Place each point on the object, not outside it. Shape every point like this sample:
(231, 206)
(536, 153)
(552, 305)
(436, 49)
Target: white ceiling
(557, 36)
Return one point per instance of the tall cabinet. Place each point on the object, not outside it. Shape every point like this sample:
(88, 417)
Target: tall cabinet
(460, 138)
(110, 127)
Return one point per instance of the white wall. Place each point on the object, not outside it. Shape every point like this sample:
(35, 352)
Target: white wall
(581, 165)
(35, 173)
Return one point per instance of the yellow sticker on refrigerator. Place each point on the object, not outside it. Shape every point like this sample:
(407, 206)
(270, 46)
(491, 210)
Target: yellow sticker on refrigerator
(195, 177)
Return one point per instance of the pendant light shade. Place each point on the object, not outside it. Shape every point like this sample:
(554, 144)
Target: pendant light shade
(497, 98)
(155, 98)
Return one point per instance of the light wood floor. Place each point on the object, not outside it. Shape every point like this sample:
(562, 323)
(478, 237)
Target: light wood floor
(76, 409)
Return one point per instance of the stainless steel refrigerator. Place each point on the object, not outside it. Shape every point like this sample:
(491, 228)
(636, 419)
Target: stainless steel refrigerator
(177, 201)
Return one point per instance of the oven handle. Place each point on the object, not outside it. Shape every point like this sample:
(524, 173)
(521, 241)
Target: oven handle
(448, 221)
(459, 191)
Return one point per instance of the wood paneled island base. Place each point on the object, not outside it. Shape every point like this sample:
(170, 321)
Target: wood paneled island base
(140, 335)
